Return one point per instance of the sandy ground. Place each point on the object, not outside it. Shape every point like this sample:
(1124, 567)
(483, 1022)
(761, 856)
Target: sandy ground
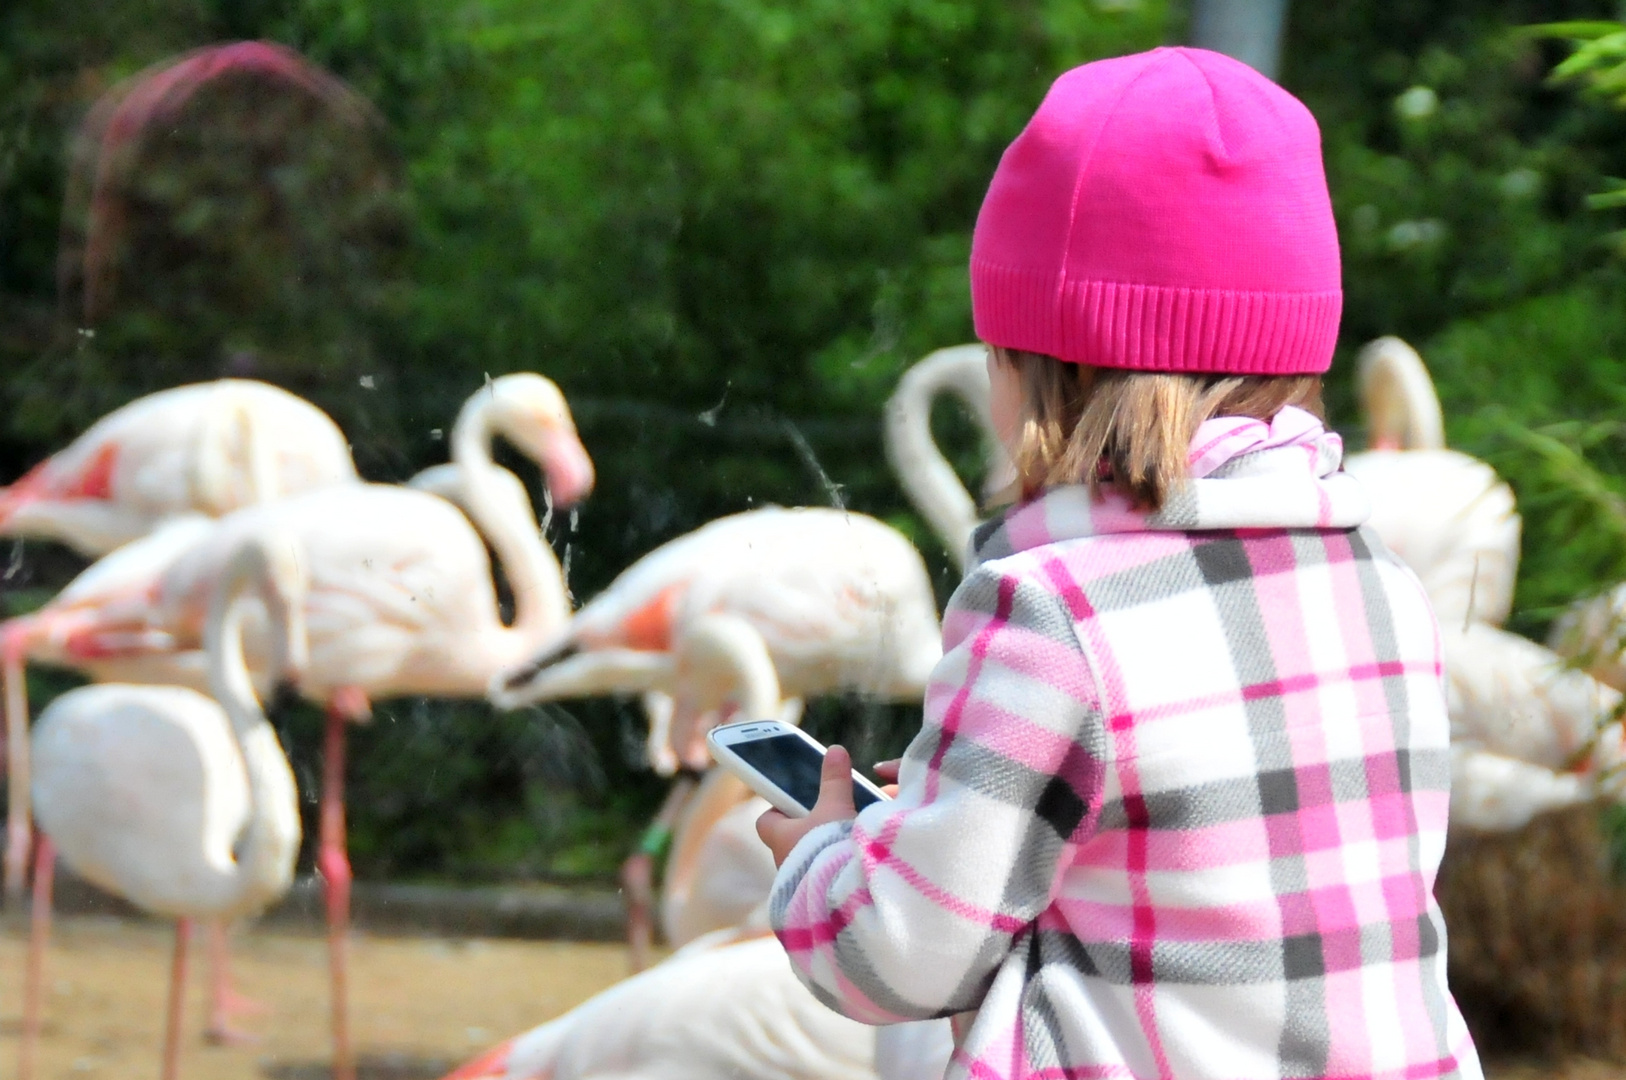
(420, 1005)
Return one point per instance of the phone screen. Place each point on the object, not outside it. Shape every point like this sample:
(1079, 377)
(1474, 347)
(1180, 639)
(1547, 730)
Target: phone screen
(794, 765)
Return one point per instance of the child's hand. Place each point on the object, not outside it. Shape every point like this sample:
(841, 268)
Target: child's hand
(887, 771)
(781, 833)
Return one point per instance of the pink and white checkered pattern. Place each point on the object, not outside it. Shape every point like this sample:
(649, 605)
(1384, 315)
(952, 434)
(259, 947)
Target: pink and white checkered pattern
(1175, 810)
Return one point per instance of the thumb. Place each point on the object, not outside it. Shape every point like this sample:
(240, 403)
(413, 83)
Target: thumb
(836, 786)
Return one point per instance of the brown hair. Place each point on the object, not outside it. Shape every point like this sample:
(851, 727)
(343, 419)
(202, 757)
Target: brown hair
(1130, 429)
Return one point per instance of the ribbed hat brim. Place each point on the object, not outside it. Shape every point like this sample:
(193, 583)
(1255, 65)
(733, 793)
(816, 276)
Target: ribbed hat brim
(1155, 328)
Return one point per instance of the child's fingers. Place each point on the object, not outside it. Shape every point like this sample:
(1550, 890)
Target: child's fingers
(835, 787)
(888, 770)
(769, 826)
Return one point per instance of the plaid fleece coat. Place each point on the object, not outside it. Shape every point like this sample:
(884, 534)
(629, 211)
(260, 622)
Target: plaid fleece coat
(1177, 804)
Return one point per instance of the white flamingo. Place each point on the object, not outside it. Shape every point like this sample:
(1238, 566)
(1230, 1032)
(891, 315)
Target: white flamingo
(719, 872)
(1518, 718)
(1447, 515)
(728, 1003)
(731, 1010)
(1528, 735)
(841, 600)
(926, 475)
(126, 570)
(400, 600)
(1528, 732)
(1592, 635)
(181, 803)
(208, 448)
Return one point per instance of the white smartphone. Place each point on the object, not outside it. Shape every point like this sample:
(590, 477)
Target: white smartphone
(781, 763)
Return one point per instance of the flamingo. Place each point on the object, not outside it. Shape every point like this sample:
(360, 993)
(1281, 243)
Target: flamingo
(1447, 515)
(1592, 635)
(125, 570)
(1528, 736)
(719, 873)
(713, 1010)
(181, 803)
(208, 448)
(840, 600)
(1519, 721)
(1529, 733)
(400, 600)
(728, 1003)
(927, 478)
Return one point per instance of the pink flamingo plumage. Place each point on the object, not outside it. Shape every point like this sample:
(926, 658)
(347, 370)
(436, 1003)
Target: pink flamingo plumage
(208, 448)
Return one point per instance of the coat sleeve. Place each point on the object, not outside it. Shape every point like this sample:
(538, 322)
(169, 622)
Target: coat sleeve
(907, 912)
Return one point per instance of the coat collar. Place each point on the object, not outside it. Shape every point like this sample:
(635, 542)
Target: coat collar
(1246, 475)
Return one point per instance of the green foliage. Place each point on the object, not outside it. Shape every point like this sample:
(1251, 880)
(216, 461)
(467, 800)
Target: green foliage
(723, 226)
(1461, 176)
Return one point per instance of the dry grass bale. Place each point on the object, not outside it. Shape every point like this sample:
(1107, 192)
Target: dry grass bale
(1536, 922)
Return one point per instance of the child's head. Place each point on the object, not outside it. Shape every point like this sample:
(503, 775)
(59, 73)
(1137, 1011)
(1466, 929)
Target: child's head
(1157, 247)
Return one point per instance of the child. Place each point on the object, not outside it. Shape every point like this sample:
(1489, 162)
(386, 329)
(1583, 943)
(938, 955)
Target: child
(1180, 795)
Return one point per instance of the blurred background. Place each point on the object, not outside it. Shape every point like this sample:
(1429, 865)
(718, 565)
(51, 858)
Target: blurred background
(725, 228)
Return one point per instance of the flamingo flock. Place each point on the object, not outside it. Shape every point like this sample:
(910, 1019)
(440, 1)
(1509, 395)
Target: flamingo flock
(241, 549)
(238, 549)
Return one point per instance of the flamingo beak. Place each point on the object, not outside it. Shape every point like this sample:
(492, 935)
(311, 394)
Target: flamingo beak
(569, 470)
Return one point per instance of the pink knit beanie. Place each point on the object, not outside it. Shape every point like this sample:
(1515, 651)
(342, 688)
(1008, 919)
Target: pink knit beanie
(1166, 211)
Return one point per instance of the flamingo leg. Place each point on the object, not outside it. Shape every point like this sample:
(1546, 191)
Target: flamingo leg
(638, 885)
(176, 1010)
(333, 862)
(34, 973)
(19, 828)
(224, 1001)
(638, 873)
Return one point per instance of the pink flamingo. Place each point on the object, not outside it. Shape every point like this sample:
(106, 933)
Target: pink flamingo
(840, 600)
(208, 448)
(147, 790)
(400, 598)
(727, 1003)
(926, 475)
(41, 636)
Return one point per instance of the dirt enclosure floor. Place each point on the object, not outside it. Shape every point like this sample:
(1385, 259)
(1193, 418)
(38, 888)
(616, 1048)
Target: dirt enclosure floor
(419, 1005)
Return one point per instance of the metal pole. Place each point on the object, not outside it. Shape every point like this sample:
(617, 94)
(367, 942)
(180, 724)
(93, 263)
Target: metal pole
(1246, 30)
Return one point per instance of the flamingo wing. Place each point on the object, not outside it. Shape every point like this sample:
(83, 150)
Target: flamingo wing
(143, 791)
(736, 1010)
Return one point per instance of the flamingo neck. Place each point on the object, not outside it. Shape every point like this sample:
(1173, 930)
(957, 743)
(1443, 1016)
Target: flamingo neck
(759, 694)
(264, 861)
(1399, 398)
(541, 603)
(926, 475)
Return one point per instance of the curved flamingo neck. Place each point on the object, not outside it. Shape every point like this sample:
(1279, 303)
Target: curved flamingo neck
(264, 861)
(926, 475)
(1401, 404)
(541, 603)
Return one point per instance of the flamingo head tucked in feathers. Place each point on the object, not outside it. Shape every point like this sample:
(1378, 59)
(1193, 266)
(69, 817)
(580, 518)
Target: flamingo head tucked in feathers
(529, 411)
